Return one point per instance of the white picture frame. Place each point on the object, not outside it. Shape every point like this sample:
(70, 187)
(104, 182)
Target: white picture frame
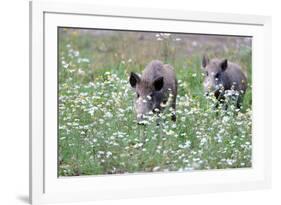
(46, 187)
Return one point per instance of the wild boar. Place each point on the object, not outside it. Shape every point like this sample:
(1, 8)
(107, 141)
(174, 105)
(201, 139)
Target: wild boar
(224, 77)
(156, 89)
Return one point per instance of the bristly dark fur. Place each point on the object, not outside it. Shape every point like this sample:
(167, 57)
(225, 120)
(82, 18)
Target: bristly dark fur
(158, 80)
(223, 75)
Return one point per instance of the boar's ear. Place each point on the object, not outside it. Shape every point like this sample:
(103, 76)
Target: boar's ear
(205, 61)
(134, 79)
(158, 83)
(223, 65)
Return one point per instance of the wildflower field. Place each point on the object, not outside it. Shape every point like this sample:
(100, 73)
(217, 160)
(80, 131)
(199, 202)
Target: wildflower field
(98, 132)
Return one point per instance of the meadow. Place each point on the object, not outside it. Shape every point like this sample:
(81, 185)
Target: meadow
(97, 128)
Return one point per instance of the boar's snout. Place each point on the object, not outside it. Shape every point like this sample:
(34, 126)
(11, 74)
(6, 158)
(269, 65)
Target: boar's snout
(144, 119)
(141, 119)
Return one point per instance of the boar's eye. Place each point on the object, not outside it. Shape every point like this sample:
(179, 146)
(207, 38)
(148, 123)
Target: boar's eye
(207, 73)
(217, 75)
(138, 95)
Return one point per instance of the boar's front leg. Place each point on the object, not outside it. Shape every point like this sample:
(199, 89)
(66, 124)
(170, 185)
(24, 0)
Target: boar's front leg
(174, 117)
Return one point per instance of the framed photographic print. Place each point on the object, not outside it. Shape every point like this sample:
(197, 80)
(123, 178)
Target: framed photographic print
(129, 102)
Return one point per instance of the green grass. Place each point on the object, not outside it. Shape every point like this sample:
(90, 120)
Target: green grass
(98, 133)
